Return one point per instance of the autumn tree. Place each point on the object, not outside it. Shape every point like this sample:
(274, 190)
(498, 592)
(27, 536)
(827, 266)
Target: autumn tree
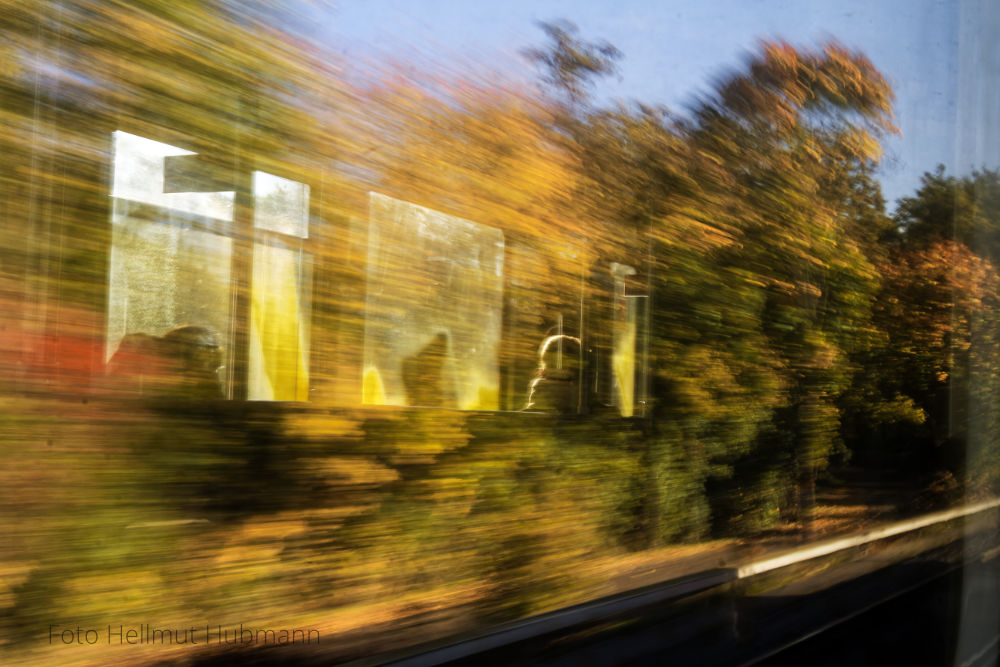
(763, 221)
(924, 398)
(795, 135)
(947, 207)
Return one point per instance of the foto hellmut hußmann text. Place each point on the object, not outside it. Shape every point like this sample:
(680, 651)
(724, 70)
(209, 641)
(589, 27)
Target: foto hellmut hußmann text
(145, 633)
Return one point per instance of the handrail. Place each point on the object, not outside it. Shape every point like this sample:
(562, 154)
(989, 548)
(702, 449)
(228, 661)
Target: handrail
(832, 546)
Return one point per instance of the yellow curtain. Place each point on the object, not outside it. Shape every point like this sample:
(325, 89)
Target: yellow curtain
(278, 330)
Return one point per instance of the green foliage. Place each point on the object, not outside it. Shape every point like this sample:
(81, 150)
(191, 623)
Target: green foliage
(923, 399)
(764, 225)
(945, 207)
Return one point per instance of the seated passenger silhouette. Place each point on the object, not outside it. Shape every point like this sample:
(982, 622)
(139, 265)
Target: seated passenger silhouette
(423, 375)
(199, 357)
(183, 363)
(555, 386)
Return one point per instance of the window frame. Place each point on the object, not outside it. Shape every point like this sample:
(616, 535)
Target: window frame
(244, 236)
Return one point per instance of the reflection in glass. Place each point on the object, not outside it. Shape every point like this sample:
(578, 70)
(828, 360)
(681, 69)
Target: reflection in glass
(434, 308)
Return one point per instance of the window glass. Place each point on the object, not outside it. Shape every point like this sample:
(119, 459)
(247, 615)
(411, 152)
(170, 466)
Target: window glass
(165, 275)
(434, 308)
(628, 344)
(280, 205)
(172, 291)
(139, 169)
(279, 325)
(542, 367)
(167, 268)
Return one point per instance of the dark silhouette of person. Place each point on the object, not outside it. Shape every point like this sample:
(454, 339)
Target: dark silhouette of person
(198, 357)
(555, 387)
(423, 374)
(182, 363)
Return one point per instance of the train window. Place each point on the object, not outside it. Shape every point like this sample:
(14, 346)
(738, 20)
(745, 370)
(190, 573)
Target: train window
(177, 251)
(628, 347)
(434, 308)
(280, 301)
(543, 366)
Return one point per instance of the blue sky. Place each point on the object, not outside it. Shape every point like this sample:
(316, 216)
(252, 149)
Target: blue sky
(673, 50)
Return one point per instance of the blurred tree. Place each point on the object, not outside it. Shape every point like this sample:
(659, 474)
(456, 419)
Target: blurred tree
(946, 207)
(569, 64)
(763, 222)
(795, 136)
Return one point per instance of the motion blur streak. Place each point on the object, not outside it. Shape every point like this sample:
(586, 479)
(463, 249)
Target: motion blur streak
(291, 350)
